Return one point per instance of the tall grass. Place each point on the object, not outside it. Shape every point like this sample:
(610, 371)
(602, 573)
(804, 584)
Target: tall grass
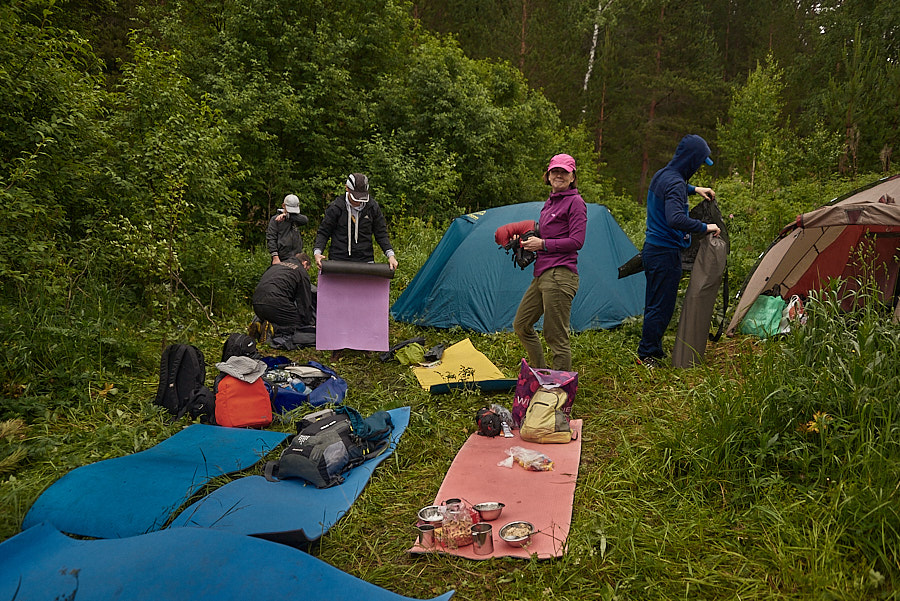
(811, 419)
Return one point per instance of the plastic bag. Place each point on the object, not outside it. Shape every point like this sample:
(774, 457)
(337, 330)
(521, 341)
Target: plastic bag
(792, 313)
(503, 412)
(530, 459)
(530, 380)
(764, 316)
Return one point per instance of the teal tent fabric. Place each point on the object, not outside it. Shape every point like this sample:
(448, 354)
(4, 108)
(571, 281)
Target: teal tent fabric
(469, 281)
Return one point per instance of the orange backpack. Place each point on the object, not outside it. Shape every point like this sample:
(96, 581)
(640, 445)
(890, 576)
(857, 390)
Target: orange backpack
(240, 404)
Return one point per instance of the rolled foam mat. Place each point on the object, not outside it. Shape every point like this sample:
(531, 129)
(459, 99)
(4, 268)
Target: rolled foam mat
(288, 511)
(365, 298)
(184, 563)
(542, 498)
(381, 270)
(136, 494)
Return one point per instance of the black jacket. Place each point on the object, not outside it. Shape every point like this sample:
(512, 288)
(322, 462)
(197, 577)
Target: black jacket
(285, 284)
(283, 237)
(334, 228)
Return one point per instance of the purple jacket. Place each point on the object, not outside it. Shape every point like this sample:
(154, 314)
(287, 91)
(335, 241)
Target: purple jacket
(562, 225)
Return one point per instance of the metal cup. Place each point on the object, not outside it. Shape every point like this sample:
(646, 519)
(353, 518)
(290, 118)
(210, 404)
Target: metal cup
(426, 535)
(482, 538)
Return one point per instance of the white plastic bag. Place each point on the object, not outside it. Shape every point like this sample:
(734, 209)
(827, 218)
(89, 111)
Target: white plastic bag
(530, 459)
(793, 312)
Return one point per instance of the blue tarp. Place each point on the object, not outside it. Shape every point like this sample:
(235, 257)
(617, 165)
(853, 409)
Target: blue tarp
(469, 281)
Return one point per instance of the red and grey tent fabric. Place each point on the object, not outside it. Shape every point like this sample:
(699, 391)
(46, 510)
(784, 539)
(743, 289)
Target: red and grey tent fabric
(852, 235)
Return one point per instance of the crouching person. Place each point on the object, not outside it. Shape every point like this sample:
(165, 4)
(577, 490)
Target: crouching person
(284, 296)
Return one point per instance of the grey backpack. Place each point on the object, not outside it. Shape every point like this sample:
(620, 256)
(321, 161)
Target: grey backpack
(327, 445)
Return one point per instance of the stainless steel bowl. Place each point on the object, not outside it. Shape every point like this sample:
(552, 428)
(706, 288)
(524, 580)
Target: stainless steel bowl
(432, 514)
(514, 533)
(489, 511)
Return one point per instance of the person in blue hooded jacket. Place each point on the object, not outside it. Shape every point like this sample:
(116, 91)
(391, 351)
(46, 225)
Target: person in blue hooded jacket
(669, 229)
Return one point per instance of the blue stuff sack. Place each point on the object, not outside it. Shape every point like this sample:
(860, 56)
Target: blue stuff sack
(288, 393)
(331, 391)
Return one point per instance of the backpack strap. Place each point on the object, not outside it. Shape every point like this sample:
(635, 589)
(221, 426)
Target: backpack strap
(271, 471)
(715, 337)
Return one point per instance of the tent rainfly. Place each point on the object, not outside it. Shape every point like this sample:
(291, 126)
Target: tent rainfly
(469, 281)
(854, 234)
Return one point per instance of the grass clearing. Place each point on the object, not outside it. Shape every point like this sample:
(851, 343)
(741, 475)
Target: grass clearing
(770, 472)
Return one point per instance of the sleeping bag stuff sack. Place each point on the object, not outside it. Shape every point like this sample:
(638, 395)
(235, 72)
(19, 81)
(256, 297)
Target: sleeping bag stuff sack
(242, 404)
(326, 387)
(329, 443)
(545, 421)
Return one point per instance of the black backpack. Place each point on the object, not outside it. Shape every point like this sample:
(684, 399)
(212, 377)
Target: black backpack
(328, 444)
(239, 345)
(182, 378)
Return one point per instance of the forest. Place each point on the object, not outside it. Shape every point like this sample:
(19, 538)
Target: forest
(145, 144)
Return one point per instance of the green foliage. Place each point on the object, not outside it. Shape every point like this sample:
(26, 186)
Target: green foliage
(50, 98)
(754, 218)
(174, 171)
(752, 137)
(848, 80)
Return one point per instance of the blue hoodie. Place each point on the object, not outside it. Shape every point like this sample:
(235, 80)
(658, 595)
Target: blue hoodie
(668, 222)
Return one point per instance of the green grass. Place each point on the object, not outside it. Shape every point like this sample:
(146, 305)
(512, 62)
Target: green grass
(768, 473)
(677, 497)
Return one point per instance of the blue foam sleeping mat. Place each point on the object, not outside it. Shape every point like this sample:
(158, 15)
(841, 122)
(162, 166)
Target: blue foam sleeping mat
(288, 511)
(184, 563)
(136, 494)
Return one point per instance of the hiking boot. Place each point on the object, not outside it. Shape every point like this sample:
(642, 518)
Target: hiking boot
(649, 362)
(255, 331)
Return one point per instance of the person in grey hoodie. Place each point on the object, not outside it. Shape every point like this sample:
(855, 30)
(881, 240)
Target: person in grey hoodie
(350, 222)
(669, 228)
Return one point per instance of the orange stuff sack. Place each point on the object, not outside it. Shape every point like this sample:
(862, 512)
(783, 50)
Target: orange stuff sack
(241, 404)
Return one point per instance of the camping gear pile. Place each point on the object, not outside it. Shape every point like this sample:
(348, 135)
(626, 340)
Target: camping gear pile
(247, 390)
(527, 469)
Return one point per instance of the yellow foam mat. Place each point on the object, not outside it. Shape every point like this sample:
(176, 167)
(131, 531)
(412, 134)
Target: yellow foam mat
(461, 362)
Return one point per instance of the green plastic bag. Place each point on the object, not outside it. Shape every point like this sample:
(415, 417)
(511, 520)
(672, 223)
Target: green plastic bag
(411, 354)
(764, 316)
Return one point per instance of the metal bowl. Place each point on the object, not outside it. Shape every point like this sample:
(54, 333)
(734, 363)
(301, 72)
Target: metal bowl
(432, 514)
(489, 511)
(517, 534)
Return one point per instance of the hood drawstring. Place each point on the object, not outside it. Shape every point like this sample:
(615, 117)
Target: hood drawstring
(355, 221)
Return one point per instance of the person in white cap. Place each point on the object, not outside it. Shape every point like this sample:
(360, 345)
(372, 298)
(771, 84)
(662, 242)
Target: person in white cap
(283, 237)
(350, 222)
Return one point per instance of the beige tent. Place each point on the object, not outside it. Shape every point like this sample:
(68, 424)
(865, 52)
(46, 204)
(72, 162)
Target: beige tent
(852, 234)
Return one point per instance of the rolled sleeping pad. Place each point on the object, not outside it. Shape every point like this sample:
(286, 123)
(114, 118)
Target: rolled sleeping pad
(381, 270)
